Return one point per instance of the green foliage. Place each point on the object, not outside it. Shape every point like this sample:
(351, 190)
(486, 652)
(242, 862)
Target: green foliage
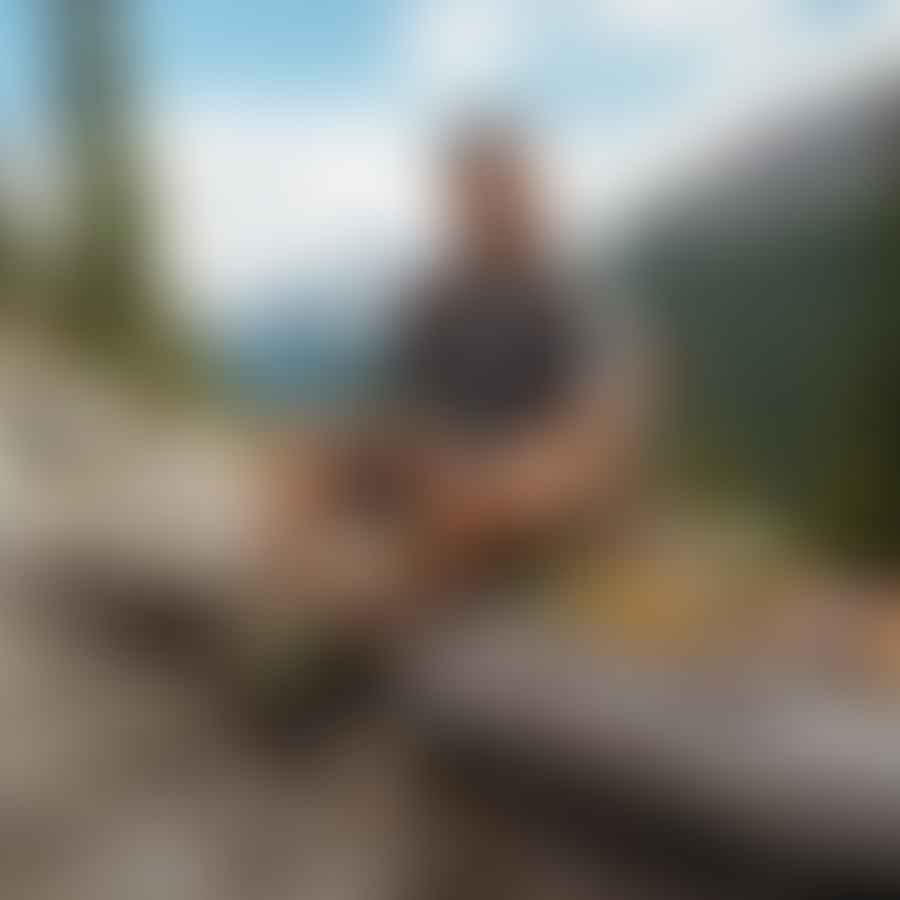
(109, 301)
(787, 342)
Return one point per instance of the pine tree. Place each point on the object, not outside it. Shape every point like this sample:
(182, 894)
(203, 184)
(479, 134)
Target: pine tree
(109, 301)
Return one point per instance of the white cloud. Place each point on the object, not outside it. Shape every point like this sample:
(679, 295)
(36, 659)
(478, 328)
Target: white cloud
(253, 194)
(459, 51)
(694, 19)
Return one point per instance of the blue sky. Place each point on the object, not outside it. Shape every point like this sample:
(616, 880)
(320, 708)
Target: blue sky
(291, 136)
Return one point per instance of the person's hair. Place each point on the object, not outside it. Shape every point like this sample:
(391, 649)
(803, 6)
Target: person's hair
(484, 142)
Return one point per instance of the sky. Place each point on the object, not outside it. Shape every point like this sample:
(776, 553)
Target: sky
(292, 141)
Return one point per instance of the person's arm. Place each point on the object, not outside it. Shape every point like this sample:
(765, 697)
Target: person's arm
(586, 452)
(619, 402)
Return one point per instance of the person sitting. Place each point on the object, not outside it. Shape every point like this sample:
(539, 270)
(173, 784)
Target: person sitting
(524, 399)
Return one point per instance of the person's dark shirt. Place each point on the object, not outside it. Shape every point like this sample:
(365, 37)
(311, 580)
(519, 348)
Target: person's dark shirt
(487, 350)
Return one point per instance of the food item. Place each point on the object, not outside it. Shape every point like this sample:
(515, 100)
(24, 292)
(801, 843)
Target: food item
(688, 587)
